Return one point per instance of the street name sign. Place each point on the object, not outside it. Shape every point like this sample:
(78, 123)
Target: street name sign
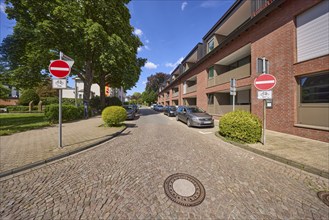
(59, 68)
(264, 94)
(265, 82)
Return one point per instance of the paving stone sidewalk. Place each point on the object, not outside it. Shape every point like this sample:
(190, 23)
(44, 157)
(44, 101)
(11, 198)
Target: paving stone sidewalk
(28, 147)
(303, 153)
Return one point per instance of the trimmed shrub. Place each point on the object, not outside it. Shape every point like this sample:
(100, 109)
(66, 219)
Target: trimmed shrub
(20, 108)
(49, 100)
(241, 126)
(71, 101)
(28, 96)
(114, 115)
(69, 113)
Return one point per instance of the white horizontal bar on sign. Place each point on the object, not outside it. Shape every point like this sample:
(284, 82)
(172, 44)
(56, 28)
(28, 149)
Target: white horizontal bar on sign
(265, 82)
(60, 68)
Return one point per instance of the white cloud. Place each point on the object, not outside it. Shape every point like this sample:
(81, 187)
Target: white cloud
(150, 65)
(184, 4)
(138, 32)
(210, 4)
(147, 47)
(144, 82)
(2, 7)
(139, 49)
(147, 41)
(173, 65)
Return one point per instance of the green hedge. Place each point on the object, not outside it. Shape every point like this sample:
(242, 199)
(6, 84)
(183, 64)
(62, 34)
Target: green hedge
(241, 126)
(28, 96)
(20, 108)
(69, 113)
(114, 115)
(65, 101)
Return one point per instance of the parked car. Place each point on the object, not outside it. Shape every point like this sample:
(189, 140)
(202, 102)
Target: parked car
(194, 116)
(135, 107)
(170, 110)
(130, 112)
(153, 106)
(158, 108)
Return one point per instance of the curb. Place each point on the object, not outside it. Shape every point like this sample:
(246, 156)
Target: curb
(295, 164)
(60, 156)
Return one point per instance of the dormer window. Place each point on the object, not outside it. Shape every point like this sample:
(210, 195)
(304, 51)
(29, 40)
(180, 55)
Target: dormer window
(211, 44)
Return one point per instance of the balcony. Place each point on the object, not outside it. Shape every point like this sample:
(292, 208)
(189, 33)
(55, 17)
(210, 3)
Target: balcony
(175, 94)
(191, 89)
(238, 73)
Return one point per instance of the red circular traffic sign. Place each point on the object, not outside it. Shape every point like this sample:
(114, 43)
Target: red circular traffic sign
(59, 68)
(265, 82)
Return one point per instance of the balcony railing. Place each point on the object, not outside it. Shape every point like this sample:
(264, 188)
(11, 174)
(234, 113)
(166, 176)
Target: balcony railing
(238, 73)
(191, 89)
(175, 94)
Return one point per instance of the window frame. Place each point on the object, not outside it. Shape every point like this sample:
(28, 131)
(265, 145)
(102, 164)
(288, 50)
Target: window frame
(213, 72)
(211, 41)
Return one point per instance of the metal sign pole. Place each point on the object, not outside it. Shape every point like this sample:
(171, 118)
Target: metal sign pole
(264, 105)
(60, 111)
(264, 121)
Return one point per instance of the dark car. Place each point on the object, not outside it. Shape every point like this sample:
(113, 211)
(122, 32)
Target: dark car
(135, 107)
(130, 111)
(170, 111)
(158, 108)
(194, 116)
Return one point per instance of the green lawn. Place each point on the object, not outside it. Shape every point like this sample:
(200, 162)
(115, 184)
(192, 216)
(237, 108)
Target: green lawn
(18, 122)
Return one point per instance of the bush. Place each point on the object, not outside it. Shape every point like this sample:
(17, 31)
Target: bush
(20, 108)
(28, 96)
(241, 126)
(114, 115)
(69, 113)
(49, 100)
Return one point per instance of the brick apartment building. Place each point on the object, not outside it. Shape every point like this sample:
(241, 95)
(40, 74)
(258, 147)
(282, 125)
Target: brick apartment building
(292, 35)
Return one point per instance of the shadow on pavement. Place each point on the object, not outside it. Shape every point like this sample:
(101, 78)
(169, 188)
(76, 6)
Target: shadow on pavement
(147, 112)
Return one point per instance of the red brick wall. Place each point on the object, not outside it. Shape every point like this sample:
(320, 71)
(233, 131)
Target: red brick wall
(274, 37)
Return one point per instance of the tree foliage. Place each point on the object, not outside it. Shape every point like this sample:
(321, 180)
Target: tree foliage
(96, 33)
(154, 81)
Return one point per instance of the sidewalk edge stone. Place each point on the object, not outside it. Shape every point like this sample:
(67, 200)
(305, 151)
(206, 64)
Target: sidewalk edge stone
(292, 163)
(60, 156)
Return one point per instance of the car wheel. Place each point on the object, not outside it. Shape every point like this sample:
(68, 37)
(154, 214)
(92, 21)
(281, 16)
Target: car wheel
(177, 119)
(188, 123)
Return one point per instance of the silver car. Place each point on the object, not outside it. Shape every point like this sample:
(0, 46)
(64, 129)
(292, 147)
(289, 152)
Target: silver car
(194, 116)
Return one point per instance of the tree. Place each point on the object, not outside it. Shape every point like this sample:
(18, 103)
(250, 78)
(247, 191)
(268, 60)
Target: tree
(154, 81)
(149, 97)
(90, 31)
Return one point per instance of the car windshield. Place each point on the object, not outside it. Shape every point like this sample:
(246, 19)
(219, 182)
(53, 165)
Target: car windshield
(172, 108)
(160, 106)
(195, 110)
(127, 107)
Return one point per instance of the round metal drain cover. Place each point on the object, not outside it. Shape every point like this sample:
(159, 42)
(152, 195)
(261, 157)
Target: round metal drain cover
(324, 196)
(184, 189)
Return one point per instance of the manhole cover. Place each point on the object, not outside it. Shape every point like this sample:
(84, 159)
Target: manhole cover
(184, 189)
(324, 196)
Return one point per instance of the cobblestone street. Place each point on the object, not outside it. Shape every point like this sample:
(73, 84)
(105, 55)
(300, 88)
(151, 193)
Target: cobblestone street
(123, 179)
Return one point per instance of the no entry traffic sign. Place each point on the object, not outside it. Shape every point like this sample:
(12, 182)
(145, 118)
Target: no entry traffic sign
(59, 68)
(265, 82)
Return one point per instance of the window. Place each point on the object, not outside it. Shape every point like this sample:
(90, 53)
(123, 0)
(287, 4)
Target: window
(210, 99)
(314, 88)
(211, 72)
(313, 32)
(211, 45)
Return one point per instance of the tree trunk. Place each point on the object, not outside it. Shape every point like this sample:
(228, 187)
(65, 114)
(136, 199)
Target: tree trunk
(87, 87)
(102, 89)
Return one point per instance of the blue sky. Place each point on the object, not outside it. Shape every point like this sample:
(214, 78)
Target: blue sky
(169, 30)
